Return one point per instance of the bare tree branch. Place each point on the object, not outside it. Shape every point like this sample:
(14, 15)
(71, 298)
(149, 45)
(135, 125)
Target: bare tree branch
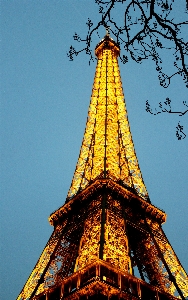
(165, 107)
(145, 30)
(150, 20)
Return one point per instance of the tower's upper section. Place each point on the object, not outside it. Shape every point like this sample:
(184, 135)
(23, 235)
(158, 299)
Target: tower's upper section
(107, 149)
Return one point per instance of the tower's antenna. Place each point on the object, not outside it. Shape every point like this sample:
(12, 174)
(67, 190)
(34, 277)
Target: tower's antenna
(107, 30)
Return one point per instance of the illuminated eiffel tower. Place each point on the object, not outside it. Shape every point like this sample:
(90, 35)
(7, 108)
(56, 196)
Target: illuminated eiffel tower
(107, 242)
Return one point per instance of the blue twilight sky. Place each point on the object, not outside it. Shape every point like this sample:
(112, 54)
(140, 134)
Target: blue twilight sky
(44, 105)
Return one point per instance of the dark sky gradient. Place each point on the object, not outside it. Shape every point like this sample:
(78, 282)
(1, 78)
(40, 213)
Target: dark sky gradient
(45, 99)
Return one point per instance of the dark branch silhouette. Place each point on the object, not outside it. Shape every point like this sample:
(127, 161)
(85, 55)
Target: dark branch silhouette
(165, 107)
(145, 29)
(179, 132)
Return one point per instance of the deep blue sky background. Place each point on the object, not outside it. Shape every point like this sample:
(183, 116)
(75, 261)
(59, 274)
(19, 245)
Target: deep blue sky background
(44, 105)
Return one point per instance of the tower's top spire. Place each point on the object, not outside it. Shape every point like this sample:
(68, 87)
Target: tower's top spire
(108, 30)
(107, 43)
(107, 149)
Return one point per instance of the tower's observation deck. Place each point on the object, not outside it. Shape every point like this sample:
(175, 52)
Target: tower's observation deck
(107, 149)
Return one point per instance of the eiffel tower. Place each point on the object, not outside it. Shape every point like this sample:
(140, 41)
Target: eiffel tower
(108, 241)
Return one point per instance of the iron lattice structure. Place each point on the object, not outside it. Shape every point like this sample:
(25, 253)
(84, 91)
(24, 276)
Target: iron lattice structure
(107, 144)
(108, 241)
